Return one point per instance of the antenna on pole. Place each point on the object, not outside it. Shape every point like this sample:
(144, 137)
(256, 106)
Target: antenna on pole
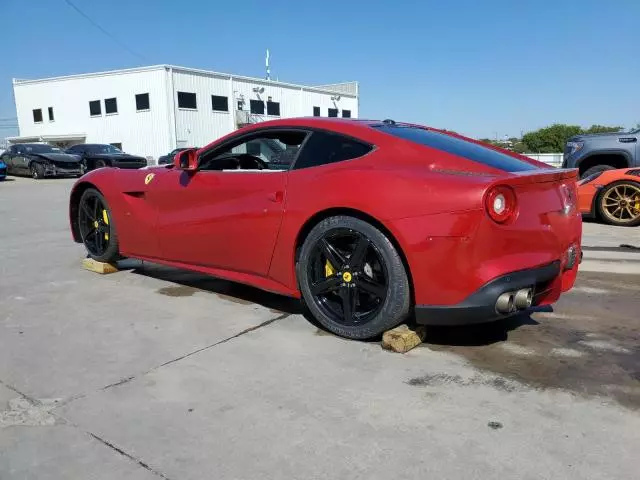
(267, 65)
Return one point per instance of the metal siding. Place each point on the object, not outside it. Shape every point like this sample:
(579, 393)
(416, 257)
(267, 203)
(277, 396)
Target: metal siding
(201, 126)
(165, 126)
(294, 102)
(141, 133)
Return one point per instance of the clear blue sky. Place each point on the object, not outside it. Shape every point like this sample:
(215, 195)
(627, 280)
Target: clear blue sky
(478, 67)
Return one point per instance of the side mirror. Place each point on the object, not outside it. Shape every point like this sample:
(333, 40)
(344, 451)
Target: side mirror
(186, 160)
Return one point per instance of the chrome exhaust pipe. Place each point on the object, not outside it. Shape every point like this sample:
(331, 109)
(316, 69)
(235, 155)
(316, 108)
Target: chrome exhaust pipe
(523, 298)
(505, 303)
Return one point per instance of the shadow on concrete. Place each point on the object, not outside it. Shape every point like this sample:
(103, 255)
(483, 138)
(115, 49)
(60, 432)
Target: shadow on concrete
(479, 334)
(188, 283)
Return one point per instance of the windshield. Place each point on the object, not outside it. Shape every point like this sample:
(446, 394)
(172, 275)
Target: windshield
(103, 149)
(459, 147)
(41, 148)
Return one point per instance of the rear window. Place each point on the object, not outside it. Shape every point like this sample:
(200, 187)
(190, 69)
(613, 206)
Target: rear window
(459, 147)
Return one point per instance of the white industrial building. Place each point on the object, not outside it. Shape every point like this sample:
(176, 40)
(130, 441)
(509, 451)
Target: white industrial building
(149, 111)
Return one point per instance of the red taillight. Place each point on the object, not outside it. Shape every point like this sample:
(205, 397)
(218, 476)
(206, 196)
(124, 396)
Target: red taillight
(568, 198)
(501, 204)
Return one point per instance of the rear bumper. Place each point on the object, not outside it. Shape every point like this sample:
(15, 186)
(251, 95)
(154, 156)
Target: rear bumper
(479, 307)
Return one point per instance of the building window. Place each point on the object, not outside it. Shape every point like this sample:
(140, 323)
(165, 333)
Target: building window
(333, 112)
(219, 103)
(37, 115)
(257, 106)
(142, 101)
(187, 100)
(240, 104)
(94, 108)
(316, 111)
(346, 113)
(51, 119)
(273, 108)
(110, 106)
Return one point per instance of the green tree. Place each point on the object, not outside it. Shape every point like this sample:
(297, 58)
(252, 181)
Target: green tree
(601, 129)
(549, 139)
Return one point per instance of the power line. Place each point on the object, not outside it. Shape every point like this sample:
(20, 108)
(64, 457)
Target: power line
(136, 54)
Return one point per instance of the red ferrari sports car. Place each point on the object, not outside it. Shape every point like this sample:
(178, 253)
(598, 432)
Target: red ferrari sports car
(371, 223)
(612, 196)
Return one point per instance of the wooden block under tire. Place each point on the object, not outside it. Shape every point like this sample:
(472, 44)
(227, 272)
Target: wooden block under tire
(98, 267)
(402, 339)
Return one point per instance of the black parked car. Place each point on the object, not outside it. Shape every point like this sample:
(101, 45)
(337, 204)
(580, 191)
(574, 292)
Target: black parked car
(98, 155)
(41, 160)
(168, 158)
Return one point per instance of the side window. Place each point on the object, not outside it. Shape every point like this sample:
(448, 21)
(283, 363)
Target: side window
(323, 148)
(272, 150)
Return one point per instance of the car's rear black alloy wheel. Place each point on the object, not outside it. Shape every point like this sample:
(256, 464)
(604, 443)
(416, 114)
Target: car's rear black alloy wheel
(94, 223)
(347, 277)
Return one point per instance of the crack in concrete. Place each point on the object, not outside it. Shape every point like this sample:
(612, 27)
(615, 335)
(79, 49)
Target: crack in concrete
(132, 377)
(129, 456)
(128, 379)
(119, 382)
(220, 342)
(34, 401)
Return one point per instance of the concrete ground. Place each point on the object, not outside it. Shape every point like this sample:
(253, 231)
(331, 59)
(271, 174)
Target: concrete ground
(155, 373)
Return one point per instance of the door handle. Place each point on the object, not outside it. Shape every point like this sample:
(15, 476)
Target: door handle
(276, 197)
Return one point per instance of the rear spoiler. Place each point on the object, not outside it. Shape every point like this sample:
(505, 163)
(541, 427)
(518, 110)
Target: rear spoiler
(543, 176)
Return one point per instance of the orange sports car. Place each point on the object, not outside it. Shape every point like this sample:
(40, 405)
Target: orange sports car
(612, 196)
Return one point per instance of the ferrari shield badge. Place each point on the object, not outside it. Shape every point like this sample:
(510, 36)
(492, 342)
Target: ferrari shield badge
(148, 178)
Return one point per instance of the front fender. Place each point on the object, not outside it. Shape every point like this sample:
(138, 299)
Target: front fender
(99, 180)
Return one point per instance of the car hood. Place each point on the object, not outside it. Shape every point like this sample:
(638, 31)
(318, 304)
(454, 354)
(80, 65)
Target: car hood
(118, 157)
(587, 136)
(57, 157)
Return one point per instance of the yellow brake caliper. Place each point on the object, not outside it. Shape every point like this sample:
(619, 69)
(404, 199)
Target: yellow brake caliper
(328, 269)
(105, 218)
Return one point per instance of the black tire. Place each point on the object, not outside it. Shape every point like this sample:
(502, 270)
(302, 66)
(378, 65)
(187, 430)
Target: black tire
(604, 202)
(106, 235)
(37, 171)
(379, 254)
(597, 169)
(99, 164)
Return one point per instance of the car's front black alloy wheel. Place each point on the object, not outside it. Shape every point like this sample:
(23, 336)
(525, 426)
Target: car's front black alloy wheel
(352, 279)
(96, 227)
(37, 171)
